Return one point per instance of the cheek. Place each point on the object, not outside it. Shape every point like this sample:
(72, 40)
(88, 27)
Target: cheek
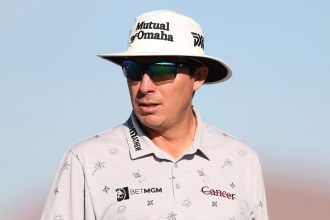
(180, 97)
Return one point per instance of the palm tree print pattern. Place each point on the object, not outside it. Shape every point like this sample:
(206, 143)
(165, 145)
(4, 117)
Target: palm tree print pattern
(98, 166)
(228, 163)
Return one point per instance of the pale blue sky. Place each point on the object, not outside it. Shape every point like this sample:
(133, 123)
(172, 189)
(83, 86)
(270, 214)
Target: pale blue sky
(54, 91)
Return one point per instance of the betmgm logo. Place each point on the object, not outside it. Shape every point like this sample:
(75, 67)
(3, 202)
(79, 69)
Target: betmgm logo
(124, 193)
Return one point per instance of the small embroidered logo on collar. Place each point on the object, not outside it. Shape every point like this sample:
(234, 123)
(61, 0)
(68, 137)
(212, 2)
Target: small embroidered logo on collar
(134, 136)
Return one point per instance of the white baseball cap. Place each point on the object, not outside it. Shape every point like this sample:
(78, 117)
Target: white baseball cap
(165, 33)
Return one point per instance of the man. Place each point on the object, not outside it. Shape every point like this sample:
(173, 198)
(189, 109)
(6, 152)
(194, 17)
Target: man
(164, 162)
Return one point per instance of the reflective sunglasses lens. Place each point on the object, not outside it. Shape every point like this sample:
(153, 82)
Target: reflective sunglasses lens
(132, 70)
(163, 71)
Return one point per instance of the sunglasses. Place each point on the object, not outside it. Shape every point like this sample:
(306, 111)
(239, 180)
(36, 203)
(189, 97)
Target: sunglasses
(159, 72)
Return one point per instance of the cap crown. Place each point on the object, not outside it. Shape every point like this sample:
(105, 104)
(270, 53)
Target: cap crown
(165, 32)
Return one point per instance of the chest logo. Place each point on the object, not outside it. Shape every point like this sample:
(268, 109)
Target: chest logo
(217, 192)
(124, 193)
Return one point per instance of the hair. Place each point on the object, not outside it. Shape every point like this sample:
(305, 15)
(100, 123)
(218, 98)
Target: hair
(193, 65)
(192, 70)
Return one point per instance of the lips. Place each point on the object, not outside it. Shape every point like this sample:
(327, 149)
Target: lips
(148, 107)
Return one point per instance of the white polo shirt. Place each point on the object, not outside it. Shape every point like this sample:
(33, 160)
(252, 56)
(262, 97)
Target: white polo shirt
(121, 174)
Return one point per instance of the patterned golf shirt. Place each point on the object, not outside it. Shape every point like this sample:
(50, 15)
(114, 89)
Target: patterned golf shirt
(120, 174)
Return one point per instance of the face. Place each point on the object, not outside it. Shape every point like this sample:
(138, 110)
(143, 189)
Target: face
(159, 106)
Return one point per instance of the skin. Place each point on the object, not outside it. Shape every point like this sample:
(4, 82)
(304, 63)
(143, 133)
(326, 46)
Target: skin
(165, 110)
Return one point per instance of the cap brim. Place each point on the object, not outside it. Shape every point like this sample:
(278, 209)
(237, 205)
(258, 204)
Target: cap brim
(219, 71)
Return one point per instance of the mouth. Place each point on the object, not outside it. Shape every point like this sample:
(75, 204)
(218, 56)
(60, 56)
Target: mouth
(148, 104)
(148, 107)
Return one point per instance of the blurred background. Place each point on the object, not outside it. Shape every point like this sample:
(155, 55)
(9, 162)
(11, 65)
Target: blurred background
(54, 91)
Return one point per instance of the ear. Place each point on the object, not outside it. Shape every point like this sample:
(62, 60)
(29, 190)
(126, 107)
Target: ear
(200, 76)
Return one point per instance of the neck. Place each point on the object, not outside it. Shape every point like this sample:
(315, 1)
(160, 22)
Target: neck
(176, 139)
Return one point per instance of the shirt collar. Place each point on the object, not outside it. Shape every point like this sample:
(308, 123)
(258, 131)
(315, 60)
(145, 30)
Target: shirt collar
(135, 137)
(141, 146)
(199, 146)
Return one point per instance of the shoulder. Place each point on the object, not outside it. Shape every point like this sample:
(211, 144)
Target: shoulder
(102, 143)
(219, 140)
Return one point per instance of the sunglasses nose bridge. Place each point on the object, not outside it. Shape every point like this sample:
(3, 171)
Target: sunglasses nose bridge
(147, 85)
(144, 71)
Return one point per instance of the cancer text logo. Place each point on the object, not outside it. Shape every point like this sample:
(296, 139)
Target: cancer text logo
(198, 40)
(217, 192)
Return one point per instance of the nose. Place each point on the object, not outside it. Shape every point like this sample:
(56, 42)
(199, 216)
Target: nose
(146, 85)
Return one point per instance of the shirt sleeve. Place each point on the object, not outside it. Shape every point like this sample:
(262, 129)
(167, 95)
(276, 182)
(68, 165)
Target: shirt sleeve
(69, 198)
(259, 211)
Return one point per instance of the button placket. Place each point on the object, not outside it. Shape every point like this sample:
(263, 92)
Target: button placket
(175, 180)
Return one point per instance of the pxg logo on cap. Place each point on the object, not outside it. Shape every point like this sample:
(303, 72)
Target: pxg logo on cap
(122, 194)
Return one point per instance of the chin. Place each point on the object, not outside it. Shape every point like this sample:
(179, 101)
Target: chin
(150, 121)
